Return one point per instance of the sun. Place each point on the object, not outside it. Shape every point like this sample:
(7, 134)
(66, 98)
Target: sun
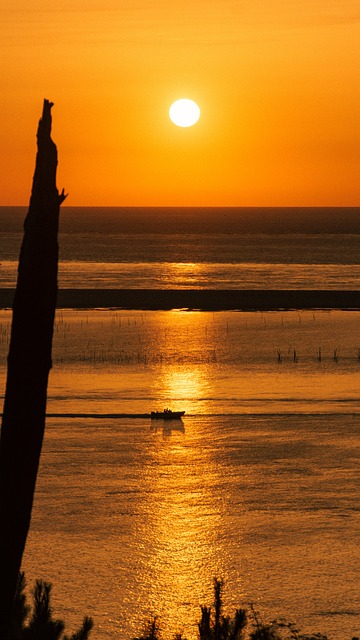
(184, 112)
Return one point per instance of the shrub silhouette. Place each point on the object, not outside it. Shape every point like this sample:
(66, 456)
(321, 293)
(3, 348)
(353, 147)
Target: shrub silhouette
(41, 625)
(214, 625)
(37, 622)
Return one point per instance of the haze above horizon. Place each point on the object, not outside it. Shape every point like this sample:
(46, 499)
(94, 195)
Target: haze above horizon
(277, 84)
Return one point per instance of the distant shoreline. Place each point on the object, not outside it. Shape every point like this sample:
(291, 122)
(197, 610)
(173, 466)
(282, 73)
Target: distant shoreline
(199, 299)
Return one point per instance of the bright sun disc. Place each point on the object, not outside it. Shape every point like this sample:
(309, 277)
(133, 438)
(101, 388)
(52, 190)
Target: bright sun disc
(184, 112)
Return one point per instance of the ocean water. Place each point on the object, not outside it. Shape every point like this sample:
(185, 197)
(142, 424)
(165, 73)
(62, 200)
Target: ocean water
(258, 484)
(197, 248)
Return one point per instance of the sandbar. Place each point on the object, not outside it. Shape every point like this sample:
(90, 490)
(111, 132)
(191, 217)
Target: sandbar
(201, 299)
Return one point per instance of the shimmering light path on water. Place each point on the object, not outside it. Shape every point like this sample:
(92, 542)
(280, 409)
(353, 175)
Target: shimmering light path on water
(133, 520)
(197, 275)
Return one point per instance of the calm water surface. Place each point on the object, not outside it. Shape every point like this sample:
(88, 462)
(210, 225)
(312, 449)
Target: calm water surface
(258, 484)
(197, 248)
(132, 521)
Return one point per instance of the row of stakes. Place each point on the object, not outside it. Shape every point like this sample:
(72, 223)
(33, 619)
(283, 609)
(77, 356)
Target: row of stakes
(143, 357)
(295, 356)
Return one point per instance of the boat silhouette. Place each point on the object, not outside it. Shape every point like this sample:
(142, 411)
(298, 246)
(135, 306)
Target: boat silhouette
(166, 414)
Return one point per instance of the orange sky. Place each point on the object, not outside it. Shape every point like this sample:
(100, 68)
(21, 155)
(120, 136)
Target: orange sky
(278, 84)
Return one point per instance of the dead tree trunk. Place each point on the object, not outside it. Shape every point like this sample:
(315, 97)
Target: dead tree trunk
(29, 363)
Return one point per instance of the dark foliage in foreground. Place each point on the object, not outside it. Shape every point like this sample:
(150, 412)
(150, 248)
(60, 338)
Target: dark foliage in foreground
(37, 623)
(41, 624)
(245, 625)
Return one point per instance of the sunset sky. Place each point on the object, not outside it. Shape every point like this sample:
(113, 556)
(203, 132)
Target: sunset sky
(277, 82)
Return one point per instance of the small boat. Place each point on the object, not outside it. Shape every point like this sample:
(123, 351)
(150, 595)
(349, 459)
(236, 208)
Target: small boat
(167, 414)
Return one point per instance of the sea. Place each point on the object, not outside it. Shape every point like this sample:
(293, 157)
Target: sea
(259, 484)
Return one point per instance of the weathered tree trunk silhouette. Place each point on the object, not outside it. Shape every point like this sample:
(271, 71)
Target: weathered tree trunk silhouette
(29, 363)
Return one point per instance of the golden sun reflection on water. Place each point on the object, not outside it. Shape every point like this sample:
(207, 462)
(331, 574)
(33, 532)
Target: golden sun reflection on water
(185, 385)
(182, 513)
(182, 521)
(183, 274)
